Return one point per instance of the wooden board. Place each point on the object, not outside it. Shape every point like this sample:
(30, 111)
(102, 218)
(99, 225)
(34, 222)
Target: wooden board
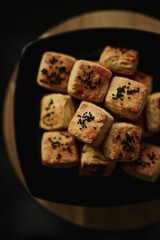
(108, 218)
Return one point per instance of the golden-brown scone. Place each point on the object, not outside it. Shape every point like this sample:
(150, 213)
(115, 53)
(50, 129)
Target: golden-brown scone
(144, 78)
(89, 81)
(126, 97)
(59, 149)
(122, 143)
(90, 123)
(54, 71)
(94, 163)
(147, 166)
(153, 112)
(57, 111)
(119, 60)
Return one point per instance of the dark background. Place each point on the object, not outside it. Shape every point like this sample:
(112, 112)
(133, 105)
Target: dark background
(20, 216)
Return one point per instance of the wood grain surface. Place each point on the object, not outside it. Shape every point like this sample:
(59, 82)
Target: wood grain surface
(108, 218)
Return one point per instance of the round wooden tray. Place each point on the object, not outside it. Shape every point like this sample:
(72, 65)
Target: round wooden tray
(108, 218)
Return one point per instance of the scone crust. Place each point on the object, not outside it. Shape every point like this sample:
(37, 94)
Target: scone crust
(59, 149)
(57, 111)
(89, 81)
(90, 123)
(145, 79)
(141, 122)
(126, 97)
(119, 60)
(123, 142)
(94, 163)
(54, 71)
(147, 166)
(153, 112)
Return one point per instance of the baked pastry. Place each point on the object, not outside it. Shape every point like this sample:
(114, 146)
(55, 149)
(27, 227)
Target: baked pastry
(89, 81)
(57, 111)
(153, 112)
(141, 121)
(147, 166)
(119, 60)
(59, 149)
(126, 97)
(122, 143)
(90, 123)
(94, 163)
(54, 71)
(144, 78)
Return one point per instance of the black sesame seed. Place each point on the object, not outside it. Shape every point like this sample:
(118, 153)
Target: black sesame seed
(59, 156)
(44, 71)
(88, 79)
(128, 143)
(54, 144)
(53, 60)
(86, 117)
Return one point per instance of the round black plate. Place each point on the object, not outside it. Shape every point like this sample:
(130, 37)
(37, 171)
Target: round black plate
(64, 185)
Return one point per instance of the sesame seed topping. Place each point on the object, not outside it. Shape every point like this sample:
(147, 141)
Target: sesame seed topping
(86, 117)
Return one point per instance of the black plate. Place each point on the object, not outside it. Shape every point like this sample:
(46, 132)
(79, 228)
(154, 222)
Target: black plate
(64, 185)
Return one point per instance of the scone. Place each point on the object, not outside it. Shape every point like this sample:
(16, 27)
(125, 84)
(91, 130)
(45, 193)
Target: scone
(147, 166)
(126, 97)
(59, 149)
(119, 60)
(122, 143)
(56, 112)
(90, 123)
(89, 81)
(144, 78)
(54, 71)
(94, 163)
(153, 112)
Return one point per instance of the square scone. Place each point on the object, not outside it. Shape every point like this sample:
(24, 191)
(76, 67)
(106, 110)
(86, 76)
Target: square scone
(94, 163)
(89, 81)
(120, 60)
(153, 112)
(56, 111)
(147, 166)
(126, 97)
(122, 143)
(54, 71)
(59, 149)
(90, 123)
(145, 79)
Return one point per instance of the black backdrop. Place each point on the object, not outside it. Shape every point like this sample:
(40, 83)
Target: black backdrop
(20, 216)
